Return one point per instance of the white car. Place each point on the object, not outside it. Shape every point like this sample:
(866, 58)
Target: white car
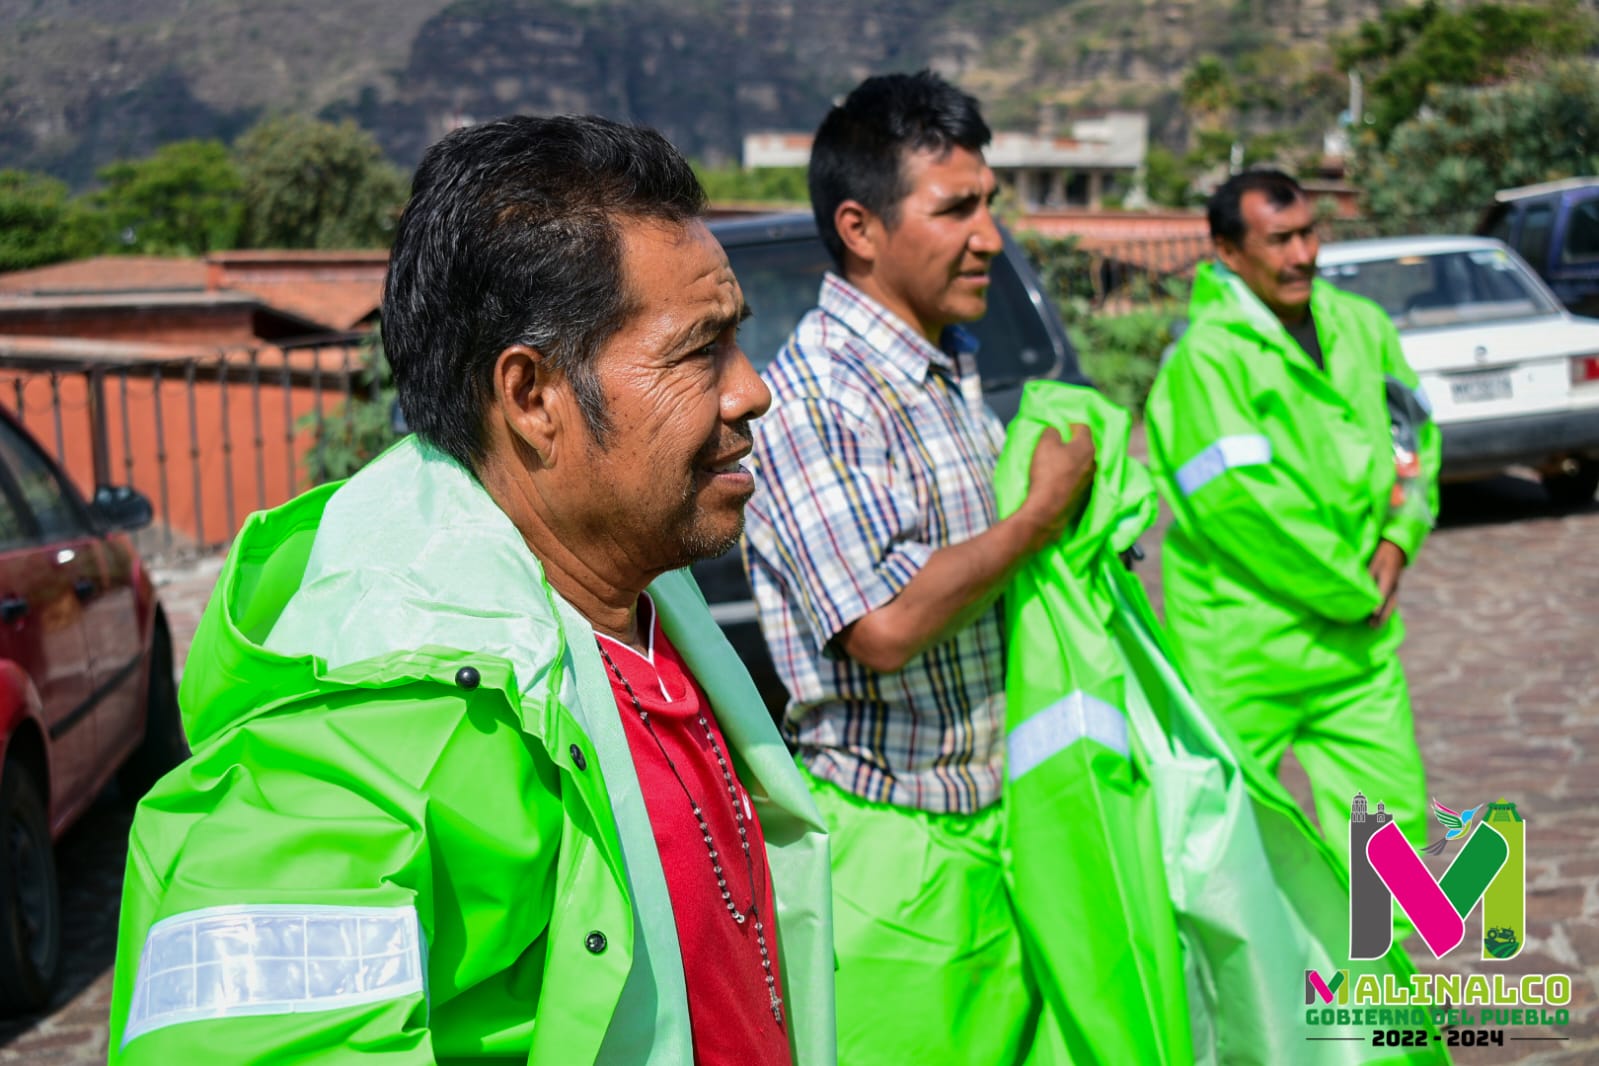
(1512, 377)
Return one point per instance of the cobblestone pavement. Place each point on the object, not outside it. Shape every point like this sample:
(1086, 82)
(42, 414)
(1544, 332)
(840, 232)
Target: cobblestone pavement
(1503, 609)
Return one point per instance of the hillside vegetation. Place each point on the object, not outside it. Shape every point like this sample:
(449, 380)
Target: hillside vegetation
(87, 82)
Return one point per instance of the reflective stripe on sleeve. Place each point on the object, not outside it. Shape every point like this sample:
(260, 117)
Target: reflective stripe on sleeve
(1057, 727)
(224, 962)
(1226, 454)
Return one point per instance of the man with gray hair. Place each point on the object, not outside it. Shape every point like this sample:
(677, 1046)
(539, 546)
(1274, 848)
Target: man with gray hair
(476, 778)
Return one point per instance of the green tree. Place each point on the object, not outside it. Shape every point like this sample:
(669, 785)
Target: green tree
(1444, 164)
(41, 224)
(186, 199)
(1209, 92)
(1121, 353)
(1410, 50)
(1167, 180)
(734, 184)
(356, 432)
(311, 184)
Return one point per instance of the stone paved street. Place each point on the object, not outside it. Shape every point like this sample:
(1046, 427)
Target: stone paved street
(1503, 608)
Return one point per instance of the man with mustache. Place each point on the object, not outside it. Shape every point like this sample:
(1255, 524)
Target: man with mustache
(476, 776)
(877, 562)
(1292, 442)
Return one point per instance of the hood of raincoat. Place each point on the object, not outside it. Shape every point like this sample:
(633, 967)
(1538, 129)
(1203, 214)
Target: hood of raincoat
(342, 576)
(1222, 298)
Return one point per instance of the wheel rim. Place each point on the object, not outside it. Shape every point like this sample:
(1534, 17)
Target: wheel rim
(35, 908)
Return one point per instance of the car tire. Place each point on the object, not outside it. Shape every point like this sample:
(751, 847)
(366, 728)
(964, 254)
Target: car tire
(30, 906)
(1573, 487)
(164, 745)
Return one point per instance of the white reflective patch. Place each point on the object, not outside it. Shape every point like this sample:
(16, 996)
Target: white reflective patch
(1057, 727)
(1422, 399)
(727, 613)
(226, 962)
(1226, 454)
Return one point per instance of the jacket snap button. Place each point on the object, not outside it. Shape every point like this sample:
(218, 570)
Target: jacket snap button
(595, 942)
(467, 677)
(581, 763)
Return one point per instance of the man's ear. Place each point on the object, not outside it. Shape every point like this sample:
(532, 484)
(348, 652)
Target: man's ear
(859, 229)
(528, 396)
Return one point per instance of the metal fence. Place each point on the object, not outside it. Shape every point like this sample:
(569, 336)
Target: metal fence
(208, 436)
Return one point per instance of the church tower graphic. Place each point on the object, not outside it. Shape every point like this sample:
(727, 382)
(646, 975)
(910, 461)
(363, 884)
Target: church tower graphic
(1371, 907)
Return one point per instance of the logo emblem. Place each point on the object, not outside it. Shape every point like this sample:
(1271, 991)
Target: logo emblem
(1490, 868)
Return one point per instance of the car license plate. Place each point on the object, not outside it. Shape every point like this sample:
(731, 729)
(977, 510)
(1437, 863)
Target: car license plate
(1480, 388)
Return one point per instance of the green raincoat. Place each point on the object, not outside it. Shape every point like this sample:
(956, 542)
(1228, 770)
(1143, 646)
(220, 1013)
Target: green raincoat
(411, 831)
(1282, 481)
(1171, 894)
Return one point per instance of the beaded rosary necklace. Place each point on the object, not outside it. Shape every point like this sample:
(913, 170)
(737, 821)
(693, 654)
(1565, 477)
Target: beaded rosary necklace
(733, 911)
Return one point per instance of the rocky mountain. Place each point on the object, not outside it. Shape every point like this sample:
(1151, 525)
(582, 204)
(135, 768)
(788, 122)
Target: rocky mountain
(84, 82)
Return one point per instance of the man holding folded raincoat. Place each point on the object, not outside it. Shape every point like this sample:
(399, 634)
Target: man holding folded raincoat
(1292, 442)
(877, 562)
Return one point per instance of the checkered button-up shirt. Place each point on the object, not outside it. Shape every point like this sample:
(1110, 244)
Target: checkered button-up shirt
(877, 451)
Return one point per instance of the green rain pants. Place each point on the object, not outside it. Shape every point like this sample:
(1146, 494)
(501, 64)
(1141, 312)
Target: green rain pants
(929, 959)
(1353, 736)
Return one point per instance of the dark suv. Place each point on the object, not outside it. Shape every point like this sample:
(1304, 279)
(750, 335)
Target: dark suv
(779, 260)
(1555, 227)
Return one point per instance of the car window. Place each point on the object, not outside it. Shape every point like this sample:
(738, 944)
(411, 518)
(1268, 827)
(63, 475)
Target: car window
(1445, 288)
(1582, 233)
(56, 515)
(14, 531)
(780, 280)
(1394, 283)
(1533, 243)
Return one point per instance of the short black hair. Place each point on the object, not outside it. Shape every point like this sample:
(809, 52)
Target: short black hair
(511, 237)
(860, 148)
(1224, 211)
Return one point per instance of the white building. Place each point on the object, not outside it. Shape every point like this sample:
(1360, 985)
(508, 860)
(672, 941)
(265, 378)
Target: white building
(1102, 155)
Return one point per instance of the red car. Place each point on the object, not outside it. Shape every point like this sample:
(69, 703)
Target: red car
(86, 688)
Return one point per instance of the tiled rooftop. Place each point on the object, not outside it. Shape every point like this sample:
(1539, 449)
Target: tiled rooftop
(108, 273)
(337, 290)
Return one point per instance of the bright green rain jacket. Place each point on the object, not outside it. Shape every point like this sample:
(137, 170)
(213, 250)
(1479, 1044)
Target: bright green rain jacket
(1281, 479)
(1171, 894)
(378, 855)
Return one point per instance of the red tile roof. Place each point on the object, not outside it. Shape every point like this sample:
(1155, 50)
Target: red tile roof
(341, 305)
(1118, 225)
(108, 273)
(338, 290)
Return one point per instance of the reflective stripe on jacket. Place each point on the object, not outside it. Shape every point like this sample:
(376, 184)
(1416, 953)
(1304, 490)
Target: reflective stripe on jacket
(411, 831)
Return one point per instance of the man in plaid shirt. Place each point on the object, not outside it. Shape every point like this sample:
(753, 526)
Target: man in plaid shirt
(877, 562)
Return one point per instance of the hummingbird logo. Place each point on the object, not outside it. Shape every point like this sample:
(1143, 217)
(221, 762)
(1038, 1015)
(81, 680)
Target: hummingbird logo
(1458, 824)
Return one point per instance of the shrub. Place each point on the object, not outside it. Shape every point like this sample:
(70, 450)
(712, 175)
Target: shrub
(1121, 353)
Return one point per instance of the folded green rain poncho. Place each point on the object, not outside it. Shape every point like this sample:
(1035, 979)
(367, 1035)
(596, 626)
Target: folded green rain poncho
(1171, 894)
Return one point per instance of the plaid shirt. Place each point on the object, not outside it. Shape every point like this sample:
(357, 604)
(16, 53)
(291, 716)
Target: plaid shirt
(877, 451)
